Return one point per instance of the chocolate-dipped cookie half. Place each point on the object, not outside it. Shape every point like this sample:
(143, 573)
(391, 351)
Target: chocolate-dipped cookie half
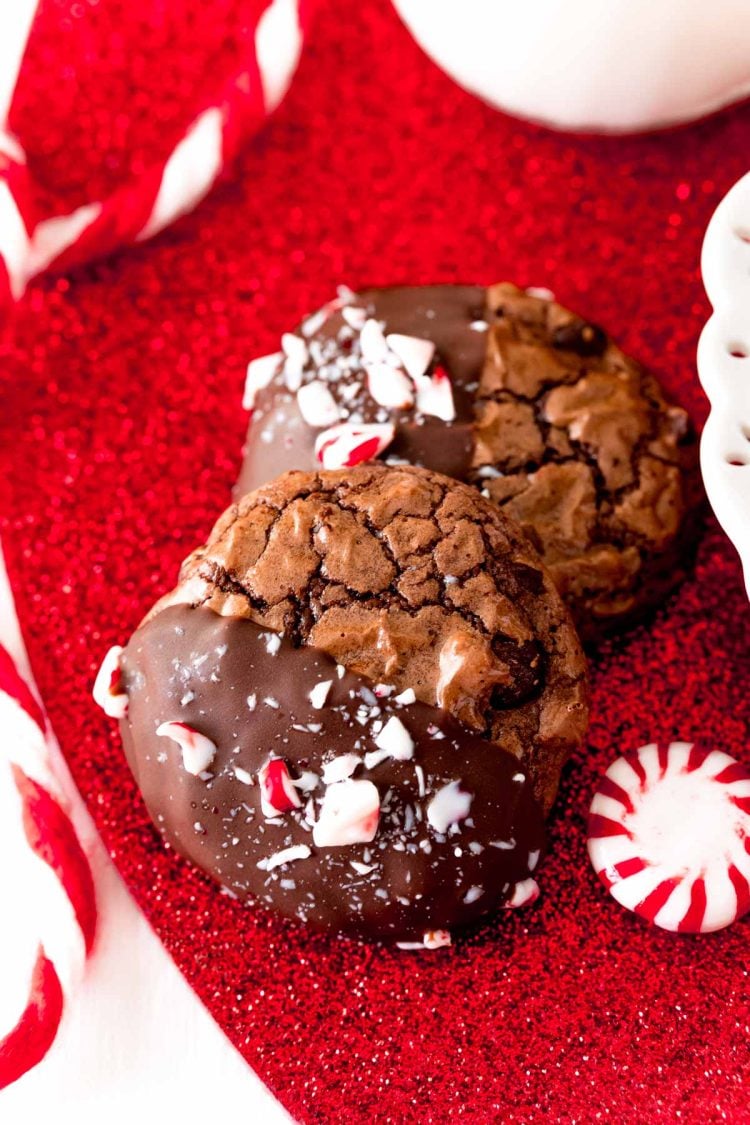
(355, 705)
(511, 392)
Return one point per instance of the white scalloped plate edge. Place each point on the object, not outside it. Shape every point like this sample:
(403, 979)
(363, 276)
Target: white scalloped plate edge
(724, 367)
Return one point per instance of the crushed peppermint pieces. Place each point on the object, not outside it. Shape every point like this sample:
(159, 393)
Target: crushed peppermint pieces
(317, 405)
(346, 445)
(449, 806)
(319, 694)
(415, 354)
(396, 740)
(339, 769)
(198, 751)
(524, 893)
(277, 791)
(260, 372)
(349, 814)
(287, 855)
(433, 939)
(108, 690)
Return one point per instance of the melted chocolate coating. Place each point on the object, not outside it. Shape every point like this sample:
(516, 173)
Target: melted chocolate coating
(280, 439)
(193, 666)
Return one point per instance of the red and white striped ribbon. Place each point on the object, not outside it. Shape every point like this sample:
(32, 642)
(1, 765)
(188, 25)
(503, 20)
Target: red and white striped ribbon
(46, 880)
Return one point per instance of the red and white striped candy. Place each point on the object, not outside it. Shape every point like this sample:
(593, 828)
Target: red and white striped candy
(198, 751)
(349, 815)
(108, 691)
(277, 792)
(345, 445)
(669, 836)
(524, 893)
(48, 888)
(435, 395)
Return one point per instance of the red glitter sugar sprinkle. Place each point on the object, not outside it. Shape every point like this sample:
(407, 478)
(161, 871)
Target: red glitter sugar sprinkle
(120, 438)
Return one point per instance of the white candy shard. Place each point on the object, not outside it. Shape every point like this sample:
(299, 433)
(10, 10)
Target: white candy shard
(277, 791)
(433, 939)
(108, 691)
(437, 939)
(349, 814)
(314, 322)
(340, 768)
(319, 694)
(395, 739)
(306, 781)
(354, 317)
(473, 894)
(449, 806)
(288, 855)
(406, 697)
(345, 445)
(295, 350)
(198, 751)
(415, 354)
(668, 836)
(523, 894)
(435, 395)
(243, 776)
(260, 372)
(361, 868)
(389, 386)
(273, 643)
(540, 292)
(317, 405)
(372, 342)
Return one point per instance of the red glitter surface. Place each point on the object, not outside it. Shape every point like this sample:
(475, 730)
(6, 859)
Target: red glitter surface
(121, 432)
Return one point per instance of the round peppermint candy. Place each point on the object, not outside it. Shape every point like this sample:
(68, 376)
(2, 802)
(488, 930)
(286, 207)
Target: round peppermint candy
(669, 836)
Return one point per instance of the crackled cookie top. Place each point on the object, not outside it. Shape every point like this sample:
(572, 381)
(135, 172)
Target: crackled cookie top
(356, 703)
(511, 392)
(407, 577)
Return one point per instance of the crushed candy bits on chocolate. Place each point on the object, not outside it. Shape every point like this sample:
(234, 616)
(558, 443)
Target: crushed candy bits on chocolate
(449, 806)
(287, 855)
(260, 372)
(317, 405)
(198, 751)
(277, 791)
(415, 354)
(108, 691)
(524, 894)
(346, 445)
(349, 814)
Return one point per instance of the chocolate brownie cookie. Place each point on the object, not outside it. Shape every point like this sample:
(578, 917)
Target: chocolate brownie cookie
(356, 703)
(511, 392)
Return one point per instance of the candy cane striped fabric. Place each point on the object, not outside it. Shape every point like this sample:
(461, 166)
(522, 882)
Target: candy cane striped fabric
(48, 886)
(31, 244)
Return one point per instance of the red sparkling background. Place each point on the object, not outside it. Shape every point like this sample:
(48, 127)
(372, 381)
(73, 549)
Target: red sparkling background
(120, 437)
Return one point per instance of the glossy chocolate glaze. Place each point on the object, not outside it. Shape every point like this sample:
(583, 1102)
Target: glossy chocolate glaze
(196, 667)
(279, 438)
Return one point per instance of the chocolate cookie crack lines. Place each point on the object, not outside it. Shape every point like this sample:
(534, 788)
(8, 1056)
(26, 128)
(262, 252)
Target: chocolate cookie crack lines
(530, 403)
